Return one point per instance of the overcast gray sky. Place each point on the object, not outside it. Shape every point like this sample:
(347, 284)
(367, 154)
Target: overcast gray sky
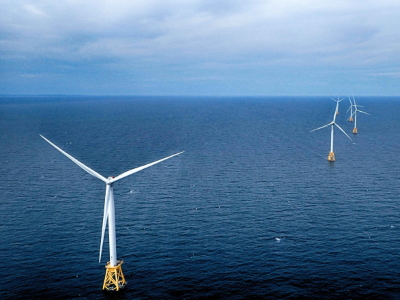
(200, 47)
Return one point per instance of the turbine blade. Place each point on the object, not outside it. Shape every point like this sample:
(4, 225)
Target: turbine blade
(343, 131)
(351, 106)
(130, 172)
(336, 112)
(105, 216)
(84, 167)
(322, 127)
(363, 112)
(351, 103)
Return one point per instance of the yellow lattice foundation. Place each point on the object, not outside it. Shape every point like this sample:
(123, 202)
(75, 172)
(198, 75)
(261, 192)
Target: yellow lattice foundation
(355, 130)
(114, 279)
(331, 156)
(351, 119)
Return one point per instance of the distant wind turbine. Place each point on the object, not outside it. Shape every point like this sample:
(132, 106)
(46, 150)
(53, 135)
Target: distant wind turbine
(337, 106)
(331, 156)
(114, 278)
(356, 110)
(350, 119)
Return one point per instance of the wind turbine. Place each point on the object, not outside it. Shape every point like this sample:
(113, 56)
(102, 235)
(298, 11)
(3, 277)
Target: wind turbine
(337, 101)
(355, 130)
(331, 156)
(351, 111)
(114, 278)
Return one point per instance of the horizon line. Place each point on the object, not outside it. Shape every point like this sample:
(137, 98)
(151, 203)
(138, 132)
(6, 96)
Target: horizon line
(186, 96)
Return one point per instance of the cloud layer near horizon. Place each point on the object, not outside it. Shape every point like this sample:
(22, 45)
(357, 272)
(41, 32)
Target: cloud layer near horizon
(172, 46)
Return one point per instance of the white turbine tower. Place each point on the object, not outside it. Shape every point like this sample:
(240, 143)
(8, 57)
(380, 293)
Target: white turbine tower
(114, 278)
(356, 110)
(331, 156)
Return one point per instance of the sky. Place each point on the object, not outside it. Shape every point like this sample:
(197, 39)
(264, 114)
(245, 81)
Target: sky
(200, 47)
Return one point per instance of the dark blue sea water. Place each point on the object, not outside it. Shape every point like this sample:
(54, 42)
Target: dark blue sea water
(251, 210)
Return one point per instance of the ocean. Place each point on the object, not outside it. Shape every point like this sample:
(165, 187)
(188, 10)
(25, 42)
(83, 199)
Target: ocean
(252, 209)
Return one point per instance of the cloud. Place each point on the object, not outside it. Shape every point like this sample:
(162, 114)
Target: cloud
(33, 10)
(199, 29)
(203, 34)
(30, 75)
(386, 74)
